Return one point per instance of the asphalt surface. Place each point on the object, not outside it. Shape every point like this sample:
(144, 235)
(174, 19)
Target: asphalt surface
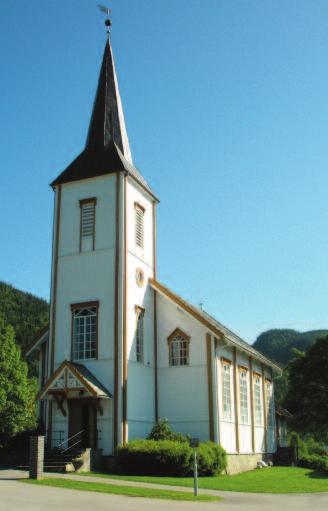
(15, 496)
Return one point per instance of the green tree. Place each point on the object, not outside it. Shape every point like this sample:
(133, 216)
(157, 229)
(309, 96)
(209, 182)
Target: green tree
(17, 391)
(27, 314)
(307, 397)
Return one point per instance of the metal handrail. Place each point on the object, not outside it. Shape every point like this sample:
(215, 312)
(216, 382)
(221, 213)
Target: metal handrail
(78, 436)
(70, 438)
(71, 446)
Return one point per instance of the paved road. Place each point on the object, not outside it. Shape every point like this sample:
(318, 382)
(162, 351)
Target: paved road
(15, 496)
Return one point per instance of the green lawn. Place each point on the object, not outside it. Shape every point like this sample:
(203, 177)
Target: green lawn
(268, 480)
(129, 491)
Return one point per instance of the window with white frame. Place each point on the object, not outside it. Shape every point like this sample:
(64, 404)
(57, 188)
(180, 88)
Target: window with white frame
(269, 403)
(88, 224)
(139, 225)
(85, 331)
(226, 389)
(140, 334)
(257, 399)
(178, 348)
(243, 395)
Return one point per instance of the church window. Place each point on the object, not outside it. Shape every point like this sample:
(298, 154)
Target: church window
(178, 348)
(243, 395)
(85, 326)
(226, 389)
(257, 399)
(87, 224)
(140, 334)
(139, 225)
(269, 403)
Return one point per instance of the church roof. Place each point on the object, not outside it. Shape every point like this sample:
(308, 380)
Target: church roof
(213, 324)
(107, 148)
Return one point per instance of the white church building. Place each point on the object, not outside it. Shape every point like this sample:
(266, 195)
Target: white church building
(122, 350)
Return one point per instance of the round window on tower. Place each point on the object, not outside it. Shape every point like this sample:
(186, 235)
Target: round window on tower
(140, 277)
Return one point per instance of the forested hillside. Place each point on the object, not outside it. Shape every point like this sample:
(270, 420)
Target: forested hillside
(25, 312)
(278, 344)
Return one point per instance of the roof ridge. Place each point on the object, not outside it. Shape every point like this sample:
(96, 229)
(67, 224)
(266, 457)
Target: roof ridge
(217, 326)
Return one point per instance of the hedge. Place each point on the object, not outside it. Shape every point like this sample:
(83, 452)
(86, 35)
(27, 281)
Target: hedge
(314, 461)
(169, 458)
(311, 454)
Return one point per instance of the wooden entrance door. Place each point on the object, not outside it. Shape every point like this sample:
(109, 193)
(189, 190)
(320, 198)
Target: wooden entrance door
(82, 423)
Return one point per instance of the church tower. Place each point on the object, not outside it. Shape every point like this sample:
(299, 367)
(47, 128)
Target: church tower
(102, 309)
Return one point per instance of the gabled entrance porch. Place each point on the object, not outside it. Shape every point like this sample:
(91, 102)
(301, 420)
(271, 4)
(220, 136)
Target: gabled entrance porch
(78, 397)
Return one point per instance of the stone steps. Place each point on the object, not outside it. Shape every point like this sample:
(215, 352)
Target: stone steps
(60, 461)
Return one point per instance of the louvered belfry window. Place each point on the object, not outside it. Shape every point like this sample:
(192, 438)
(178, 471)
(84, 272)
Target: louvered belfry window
(139, 225)
(88, 224)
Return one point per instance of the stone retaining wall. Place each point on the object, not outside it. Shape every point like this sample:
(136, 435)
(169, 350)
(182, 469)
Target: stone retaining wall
(242, 462)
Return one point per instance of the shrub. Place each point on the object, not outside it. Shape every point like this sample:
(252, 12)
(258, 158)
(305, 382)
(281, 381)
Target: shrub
(314, 447)
(314, 461)
(211, 459)
(311, 454)
(170, 458)
(163, 431)
(154, 457)
(294, 440)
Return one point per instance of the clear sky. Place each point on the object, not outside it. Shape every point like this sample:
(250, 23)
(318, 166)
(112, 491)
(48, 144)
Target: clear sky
(226, 103)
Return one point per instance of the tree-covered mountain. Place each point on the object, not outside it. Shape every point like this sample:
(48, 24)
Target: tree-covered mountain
(278, 344)
(26, 313)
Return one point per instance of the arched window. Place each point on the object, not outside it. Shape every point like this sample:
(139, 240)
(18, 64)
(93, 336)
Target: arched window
(140, 312)
(85, 328)
(269, 403)
(243, 394)
(257, 399)
(178, 348)
(226, 388)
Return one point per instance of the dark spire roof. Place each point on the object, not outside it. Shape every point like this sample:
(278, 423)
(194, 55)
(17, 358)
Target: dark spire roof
(107, 120)
(107, 147)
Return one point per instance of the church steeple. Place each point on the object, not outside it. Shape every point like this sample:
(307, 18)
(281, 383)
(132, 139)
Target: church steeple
(107, 121)
(107, 148)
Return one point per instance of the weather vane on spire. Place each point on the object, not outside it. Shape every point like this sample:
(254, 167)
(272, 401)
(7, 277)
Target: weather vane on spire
(107, 11)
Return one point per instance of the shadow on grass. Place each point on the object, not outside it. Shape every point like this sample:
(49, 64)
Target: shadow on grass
(317, 475)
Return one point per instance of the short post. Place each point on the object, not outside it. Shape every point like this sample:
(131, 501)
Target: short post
(194, 442)
(36, 456)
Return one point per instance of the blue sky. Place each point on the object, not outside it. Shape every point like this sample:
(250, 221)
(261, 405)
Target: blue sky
(226, 103)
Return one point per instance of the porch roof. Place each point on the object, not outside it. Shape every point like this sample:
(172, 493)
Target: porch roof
(283, 412)
(71, 376)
